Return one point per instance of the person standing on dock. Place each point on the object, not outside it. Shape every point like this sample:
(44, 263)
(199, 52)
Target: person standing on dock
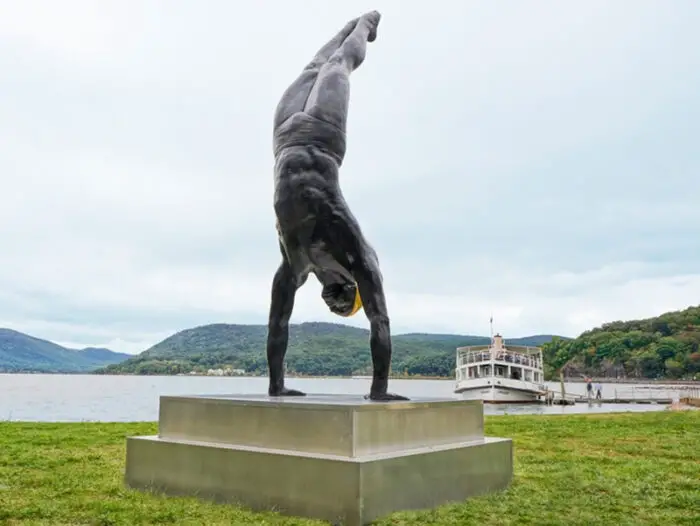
(598, 391)
(589, 387)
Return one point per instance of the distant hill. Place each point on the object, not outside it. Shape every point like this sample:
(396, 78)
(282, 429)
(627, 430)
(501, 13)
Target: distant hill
(315, 349)
(100, 354)
(23, 353)
(666, 346)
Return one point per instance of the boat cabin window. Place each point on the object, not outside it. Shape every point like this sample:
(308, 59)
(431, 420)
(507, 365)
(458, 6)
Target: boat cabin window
(516, 373)
(479, 371)
(501, 370)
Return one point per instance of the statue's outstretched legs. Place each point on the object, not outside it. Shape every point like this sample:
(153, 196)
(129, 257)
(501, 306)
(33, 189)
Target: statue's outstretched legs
(322, 90)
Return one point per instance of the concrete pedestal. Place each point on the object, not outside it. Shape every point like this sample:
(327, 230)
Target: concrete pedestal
(337, 458)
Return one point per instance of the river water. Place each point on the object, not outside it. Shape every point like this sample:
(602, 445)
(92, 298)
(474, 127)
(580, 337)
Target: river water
(77, 398)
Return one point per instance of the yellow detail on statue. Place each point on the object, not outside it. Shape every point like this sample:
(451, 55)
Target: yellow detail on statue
(357, 305)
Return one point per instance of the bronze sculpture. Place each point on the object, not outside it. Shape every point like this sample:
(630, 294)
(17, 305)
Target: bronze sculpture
(317, 232)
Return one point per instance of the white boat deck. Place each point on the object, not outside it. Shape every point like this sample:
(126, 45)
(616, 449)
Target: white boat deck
(496, 373)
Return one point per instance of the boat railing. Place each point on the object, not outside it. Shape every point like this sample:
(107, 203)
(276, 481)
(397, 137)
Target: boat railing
(474, 357)
(501, 355)
(516, 358)
(521, 349)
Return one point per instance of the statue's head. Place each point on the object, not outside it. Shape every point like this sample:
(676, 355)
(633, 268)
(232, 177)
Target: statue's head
(342, 299)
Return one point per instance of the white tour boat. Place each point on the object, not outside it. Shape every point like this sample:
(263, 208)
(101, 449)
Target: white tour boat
(498, 374)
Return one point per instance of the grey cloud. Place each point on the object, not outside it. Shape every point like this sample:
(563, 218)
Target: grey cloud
(529, 159)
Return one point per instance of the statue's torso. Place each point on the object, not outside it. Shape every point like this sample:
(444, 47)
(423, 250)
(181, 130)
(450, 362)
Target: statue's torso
(307, 202)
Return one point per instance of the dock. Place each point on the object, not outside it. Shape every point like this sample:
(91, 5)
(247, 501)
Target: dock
(631, 395)
(561, 397)
(643, 395)
(557, 398)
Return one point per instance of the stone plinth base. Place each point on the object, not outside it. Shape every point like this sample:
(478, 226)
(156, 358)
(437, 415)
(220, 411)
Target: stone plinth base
(338, 458)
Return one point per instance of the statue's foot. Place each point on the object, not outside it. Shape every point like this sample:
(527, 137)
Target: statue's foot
(385, 397)
(371, 19)
(349, 28)
(285, 392)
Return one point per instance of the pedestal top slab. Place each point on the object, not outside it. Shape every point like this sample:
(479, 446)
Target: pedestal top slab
(333, 424)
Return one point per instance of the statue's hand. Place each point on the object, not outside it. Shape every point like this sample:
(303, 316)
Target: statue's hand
(385, 397)
(285, 392)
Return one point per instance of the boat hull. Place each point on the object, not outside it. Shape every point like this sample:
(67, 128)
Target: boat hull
(496, 394)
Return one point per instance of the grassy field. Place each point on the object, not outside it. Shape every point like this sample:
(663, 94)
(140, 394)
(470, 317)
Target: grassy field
(621, 469)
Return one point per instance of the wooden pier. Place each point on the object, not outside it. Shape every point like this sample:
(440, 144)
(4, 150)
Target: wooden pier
(645, 395)
(552, 397)
(629, 395)
(558, 398)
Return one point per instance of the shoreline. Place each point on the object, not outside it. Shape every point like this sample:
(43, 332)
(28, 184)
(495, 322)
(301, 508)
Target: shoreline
(571, 380)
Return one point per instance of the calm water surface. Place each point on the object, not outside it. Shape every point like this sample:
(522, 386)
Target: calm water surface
(75, 398)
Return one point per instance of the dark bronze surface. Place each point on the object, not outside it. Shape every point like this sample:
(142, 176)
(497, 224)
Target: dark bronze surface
(317, 231)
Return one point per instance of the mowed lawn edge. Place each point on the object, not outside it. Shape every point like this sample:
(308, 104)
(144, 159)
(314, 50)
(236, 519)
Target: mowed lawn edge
(619, 468)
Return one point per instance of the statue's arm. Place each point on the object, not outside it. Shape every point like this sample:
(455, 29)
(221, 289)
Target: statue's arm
(284, 286)
(370, 282)
(281, 305)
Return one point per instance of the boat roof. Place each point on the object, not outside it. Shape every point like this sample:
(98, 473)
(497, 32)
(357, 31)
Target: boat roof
(523, 349)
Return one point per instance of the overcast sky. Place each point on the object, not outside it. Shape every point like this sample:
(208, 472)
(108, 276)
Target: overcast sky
(535, 160)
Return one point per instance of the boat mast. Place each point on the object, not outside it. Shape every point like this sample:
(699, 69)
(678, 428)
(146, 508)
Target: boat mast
(492, 352)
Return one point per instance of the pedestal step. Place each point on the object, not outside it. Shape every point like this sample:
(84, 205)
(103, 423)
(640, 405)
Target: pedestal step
(341, 489)
(337, 458)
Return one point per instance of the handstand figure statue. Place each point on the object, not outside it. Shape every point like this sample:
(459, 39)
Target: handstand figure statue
(317, 231)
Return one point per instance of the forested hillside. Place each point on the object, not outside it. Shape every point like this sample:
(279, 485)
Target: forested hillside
(667, 346)
(315, 349)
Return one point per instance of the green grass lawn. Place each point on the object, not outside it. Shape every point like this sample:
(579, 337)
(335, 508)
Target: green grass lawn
(621, 469)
